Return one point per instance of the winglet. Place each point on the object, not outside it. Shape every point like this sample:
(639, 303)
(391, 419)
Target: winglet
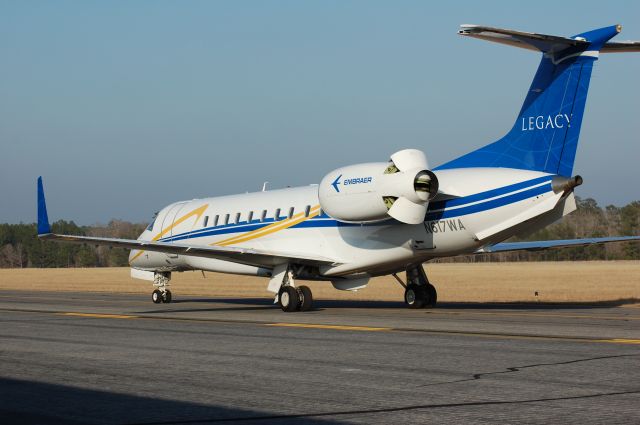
(43, 218)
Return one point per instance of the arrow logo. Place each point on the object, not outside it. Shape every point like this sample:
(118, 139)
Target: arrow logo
(336, 182)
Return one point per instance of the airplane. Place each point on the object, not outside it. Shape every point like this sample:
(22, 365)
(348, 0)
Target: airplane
(389, 217)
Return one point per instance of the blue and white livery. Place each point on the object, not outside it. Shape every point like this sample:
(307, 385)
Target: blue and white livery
(387, 217)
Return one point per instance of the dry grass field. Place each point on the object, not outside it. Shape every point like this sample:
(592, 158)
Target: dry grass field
(486, 282)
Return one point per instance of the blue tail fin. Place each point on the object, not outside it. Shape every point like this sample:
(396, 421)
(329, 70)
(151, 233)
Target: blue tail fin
(545, 134)
(43, 218)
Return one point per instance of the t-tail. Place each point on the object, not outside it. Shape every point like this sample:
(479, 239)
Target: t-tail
(545, 134)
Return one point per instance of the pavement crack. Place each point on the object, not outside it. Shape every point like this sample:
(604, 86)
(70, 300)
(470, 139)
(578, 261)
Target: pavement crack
(383, 410)
(514, 369)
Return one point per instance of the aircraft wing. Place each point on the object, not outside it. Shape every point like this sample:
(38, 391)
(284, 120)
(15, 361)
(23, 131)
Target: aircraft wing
(541, 245)
(252, 257)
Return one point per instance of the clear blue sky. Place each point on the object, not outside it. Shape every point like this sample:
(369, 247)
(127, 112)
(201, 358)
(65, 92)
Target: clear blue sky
(126, 106)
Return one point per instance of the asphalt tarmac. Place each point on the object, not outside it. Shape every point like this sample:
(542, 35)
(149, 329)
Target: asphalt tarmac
(119, 359)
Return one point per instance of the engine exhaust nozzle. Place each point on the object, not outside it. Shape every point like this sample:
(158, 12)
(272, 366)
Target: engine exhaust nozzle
(565, 184)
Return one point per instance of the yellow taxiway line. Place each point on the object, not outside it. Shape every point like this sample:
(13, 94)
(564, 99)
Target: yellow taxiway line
(334, 327)
(619, 341)
(99, 315)
(359, 328)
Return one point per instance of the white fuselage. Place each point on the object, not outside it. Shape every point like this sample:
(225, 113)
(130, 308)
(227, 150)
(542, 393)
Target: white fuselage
(482, 206)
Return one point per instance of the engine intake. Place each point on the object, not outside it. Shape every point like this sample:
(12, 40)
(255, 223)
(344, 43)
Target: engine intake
(362, 193)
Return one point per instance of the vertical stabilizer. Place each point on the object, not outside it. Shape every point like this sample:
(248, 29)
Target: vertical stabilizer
(545, 134)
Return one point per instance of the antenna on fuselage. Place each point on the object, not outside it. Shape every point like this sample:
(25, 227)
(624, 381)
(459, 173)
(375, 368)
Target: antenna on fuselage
(264, 186)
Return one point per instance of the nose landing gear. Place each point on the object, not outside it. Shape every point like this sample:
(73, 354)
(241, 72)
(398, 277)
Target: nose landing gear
(161, 294)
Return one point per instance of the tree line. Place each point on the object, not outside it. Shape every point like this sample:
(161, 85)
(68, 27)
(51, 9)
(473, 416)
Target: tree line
(589, 221)
(20, 247)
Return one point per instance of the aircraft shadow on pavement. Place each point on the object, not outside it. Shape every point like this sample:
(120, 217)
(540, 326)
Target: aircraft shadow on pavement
(31, 402)
(256, 304)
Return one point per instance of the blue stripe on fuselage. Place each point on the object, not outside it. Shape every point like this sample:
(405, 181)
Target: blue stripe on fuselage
(437, 210)
(218, 230)
(489, 205)
(487, 194)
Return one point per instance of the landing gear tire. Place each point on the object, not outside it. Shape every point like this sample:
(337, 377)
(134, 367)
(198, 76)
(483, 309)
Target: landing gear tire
(432, 296)
(289, 299)
(414, 296)
(167, 297)
(156, 297)
(306, 299)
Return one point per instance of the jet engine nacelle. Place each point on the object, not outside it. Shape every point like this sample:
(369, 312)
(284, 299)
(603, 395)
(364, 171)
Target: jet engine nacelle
(361, 193)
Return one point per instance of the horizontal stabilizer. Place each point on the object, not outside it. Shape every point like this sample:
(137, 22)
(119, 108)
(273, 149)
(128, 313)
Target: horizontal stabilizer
(541, 245)
(525, 40)
(543, 42)
(545, 135)
(621, 47)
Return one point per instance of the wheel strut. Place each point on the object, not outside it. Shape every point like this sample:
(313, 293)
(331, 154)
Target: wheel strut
(161, 294)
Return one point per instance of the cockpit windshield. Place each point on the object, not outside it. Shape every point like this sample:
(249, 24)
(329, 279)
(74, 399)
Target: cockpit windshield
(153, 220)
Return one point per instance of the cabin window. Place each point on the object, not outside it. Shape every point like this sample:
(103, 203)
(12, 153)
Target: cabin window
(215, 220)
(277, 215)
(250, 217)
(206, 220)
(237, 218)
(320, 213)
(307, 211)
(291, 210)
(226, 219)
(263, 217)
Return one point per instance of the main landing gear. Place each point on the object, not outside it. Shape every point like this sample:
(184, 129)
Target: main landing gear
(161, 294)
(418, 292)
(295, 298)
(288, 295)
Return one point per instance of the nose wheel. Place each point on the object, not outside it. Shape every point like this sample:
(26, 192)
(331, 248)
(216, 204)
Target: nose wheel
(158, 297)
(161, 294)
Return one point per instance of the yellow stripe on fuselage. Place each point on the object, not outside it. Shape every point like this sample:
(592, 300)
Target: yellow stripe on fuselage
(254, 234)
(197, 212)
